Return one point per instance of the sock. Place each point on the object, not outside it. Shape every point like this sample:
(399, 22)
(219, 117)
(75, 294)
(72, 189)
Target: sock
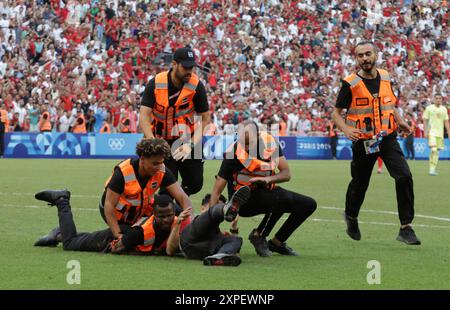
(434, 158)
(380, 163)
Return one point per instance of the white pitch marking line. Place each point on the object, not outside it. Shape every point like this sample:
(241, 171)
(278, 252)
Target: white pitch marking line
(393, 213)
(258, 216)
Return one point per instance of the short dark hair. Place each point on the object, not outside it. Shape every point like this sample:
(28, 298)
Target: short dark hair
(153, 147)
(162, 201)
(364, 42)
(207, 199)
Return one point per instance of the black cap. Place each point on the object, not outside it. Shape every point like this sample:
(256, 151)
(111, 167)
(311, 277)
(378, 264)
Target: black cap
(185, 56)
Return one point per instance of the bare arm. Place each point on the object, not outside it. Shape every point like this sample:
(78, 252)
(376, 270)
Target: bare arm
(284, 175)
(425, 128)
(217, 190)
(145, 121)
(349, 132)
(111, 200)
(402, 125)
(180, 196)
(447, 126)
(174, 238)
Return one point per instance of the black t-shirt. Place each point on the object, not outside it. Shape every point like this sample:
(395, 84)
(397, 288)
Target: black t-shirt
(230, 166)
(200, 99)
(117, 182)
(344, 98)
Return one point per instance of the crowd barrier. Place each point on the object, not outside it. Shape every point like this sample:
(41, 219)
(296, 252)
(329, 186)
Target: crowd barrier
(69, 145)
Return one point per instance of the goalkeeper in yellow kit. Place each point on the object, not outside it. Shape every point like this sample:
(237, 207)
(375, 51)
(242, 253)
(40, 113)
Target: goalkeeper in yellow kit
(435, 117)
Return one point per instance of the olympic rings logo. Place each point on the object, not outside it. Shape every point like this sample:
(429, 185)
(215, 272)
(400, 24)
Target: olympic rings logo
(420, 147)
(116, 144)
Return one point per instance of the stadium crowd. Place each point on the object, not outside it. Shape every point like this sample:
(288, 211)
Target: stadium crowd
(83, 65)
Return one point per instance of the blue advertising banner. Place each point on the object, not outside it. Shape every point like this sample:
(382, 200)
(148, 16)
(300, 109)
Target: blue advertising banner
(116, 144)
(69, 145)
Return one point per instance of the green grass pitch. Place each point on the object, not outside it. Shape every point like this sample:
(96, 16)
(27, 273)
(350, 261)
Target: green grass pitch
(328, 259)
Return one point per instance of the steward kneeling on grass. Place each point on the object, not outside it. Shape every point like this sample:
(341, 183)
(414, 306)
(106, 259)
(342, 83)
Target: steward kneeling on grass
(159, 234)
(255, 160)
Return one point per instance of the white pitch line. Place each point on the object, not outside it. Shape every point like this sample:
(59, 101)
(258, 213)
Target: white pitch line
(392, 213)
(438, 218)
(258, 216)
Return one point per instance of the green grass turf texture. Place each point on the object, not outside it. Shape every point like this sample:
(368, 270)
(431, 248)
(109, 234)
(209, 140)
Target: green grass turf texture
(328, 259)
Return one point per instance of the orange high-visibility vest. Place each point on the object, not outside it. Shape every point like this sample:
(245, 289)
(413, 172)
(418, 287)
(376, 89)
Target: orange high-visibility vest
(4, 119)
(283, 127)
(170, 122)
(80, 128)
(371, 115)
(105, 128)
(332, 132)
(125, 128)
(254, 167)
(135, 202)
(44, 124)
(149, 233)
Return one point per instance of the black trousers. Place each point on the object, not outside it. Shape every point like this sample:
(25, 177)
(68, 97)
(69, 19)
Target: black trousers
(333, 145)
(203, 237)
(274, 203)
(72, 241)
(409, 146)
(191, 172)
(361, 171)
(2, 138)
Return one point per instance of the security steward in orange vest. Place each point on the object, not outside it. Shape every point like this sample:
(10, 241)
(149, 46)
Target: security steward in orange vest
(44, 123)
(253, 160)
(370, 102)
(105, 128)
(130, 191)
(80, 123)
(163, 233)
(332, 134)
(171, 101)
(128, 197)
(3, 126)
(154, 235)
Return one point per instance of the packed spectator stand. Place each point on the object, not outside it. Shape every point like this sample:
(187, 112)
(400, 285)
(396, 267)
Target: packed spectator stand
(85, 63)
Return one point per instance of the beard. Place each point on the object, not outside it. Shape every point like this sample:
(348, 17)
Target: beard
(183, 77)
(367, 66)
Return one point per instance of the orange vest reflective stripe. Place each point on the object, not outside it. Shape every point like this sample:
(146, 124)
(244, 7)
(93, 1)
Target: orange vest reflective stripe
(149, 233)
(125, 128)
(44, 124)
(80, 128)
(4, 119)
(3, 116)
(371, 115)
(283, 128)
(105, 128)
(254, 167)
(332, 131)
(170, 122)
(135, 202)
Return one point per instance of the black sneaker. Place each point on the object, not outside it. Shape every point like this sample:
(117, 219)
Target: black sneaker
(260, 244)
(52, 196)
(51, 239)
(239, 198)
(408, 236)
(222, 259)
(283, 249)
(352, 227)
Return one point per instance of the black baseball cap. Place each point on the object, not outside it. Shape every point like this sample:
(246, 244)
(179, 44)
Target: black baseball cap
(185, 56)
